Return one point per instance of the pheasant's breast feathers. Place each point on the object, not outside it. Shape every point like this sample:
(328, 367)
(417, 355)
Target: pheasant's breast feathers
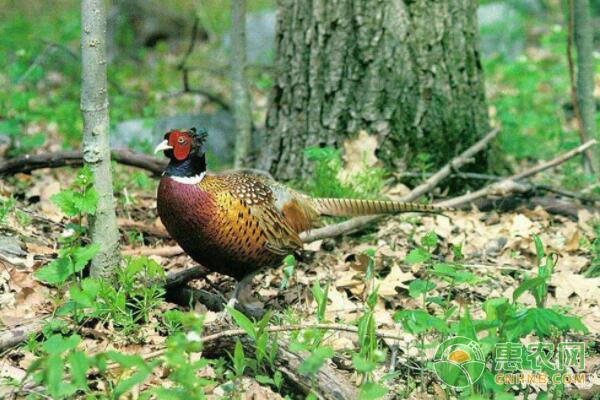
(266, 213)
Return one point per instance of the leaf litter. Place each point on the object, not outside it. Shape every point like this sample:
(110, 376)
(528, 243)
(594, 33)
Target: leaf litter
(498, 249)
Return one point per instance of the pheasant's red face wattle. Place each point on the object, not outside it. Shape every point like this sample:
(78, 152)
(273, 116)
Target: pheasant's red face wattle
(181, 143)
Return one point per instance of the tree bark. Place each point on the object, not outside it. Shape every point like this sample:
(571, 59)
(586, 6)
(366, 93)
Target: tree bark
(96, 150)
(405, 71)
(584, 42)
(239, 85)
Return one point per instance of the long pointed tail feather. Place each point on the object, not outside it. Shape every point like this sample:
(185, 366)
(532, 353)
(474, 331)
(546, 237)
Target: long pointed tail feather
(357, 207)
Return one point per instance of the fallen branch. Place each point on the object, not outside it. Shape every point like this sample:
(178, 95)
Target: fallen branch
(155, 231)
(327, 383)
(495, 178)
(74, 158)
(16, 335)
(508, 184)
(360, 222)
(464, 158)
(503, 187)
(167, 251)
(274, 329)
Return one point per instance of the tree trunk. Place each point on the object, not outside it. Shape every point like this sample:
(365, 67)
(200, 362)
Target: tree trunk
(584, 42)
(407, 71)
(239, 86)
(96, 150)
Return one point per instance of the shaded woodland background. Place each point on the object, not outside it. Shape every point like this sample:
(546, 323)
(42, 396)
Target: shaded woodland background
(522, 51)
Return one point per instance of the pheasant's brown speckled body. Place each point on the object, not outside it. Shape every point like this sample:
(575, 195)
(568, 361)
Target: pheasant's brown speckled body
(233, 224)
(238, 223)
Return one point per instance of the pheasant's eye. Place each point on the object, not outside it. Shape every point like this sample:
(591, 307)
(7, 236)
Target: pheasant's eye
(181, 140)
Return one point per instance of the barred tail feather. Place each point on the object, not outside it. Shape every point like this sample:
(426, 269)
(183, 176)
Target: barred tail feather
(356, 207)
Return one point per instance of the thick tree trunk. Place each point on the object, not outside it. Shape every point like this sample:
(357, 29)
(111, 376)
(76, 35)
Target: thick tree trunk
(407, 71)
(96, 150)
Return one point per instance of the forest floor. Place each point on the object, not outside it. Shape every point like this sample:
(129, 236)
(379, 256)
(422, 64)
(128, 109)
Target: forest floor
(497, 253)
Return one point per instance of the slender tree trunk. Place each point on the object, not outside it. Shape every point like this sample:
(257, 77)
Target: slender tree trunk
(405, 71)
(96, 150)
(239, 85)
(584, 42)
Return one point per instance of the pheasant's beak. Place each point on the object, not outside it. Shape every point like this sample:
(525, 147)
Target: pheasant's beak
(164, 145)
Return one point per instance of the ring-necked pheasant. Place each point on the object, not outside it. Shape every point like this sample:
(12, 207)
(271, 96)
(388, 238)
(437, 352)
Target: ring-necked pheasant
(238, 223)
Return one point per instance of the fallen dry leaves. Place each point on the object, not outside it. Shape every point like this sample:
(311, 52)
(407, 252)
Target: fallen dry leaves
(498, 249)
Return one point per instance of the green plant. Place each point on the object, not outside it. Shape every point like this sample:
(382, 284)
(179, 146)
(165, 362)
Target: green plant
(289, 268)
(128, 302)
(63, 369)
(77, 202)
(370, 354)
(594, 246)
(506, 321)
(325, 180)
(6, 206)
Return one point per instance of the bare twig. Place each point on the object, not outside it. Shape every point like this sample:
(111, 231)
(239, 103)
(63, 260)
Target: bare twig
(178, 278)
(360, 222)
(210, 96)
(567, 193)
(496, 178)
(555, 161)
(18, 334)
(142, 227)
(509, 184)
(462, 175)
(185, 70)
(167, 251)
(504, 186)
(274, 329)
(74, 158)
(456, 163)
(182, 65)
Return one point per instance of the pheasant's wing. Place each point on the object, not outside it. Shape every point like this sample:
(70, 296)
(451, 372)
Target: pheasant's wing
(274, 216)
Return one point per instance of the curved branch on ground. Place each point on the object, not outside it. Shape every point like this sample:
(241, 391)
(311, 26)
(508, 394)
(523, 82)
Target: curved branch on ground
(74, 158)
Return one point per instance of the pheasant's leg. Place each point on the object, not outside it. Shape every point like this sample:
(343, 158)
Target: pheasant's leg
(242, 295)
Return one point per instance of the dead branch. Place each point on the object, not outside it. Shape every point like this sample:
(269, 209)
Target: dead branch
(502, 187)
(328, 383)
(142, 227)
(16, 335)
(185, 71)
(167, 251)
(537, 187)
(509, 185)
(74, 158)
(464, 158)
(360, 222)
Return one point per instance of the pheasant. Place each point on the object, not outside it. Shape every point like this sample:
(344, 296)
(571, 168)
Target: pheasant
(238, 223)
